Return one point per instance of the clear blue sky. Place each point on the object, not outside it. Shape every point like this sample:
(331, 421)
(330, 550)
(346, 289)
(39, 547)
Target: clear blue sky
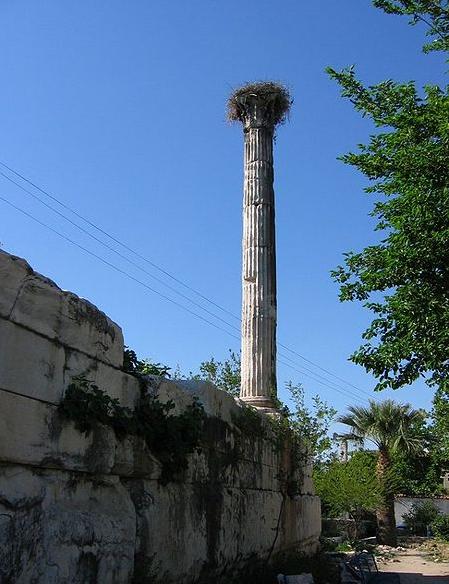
(118, 109)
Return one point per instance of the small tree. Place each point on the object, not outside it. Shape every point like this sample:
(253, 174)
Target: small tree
(312, 425)
(404, 279)
(223, 374)
(420, 516)
(440, 527)
(391, 427)
(440, 428)
(349, 487)
(131, 364)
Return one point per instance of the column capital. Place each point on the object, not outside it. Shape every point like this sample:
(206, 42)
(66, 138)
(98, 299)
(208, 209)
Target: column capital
(259, 105)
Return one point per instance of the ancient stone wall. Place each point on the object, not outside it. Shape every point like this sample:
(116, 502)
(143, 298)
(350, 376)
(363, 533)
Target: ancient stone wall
(78, 508)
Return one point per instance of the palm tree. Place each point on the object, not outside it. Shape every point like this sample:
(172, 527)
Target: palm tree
(392, 427)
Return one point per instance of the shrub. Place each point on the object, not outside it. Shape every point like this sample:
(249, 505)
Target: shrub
(420, 516)
(440, 527)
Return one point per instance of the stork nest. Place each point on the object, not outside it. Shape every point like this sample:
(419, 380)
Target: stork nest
(275, 95)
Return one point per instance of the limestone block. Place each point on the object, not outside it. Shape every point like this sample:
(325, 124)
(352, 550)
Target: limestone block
(307, 486)
(308, 517)
(185, 529)
(248, 523)
(301, 523)
(252, 475)
(29, 363)
(64, 529)
(215, 401)
(42, 306)
(133, 459)
(114, 382)
(171, 528)
(13, 271)
(33, 433)
(29, 430)
(167, 390)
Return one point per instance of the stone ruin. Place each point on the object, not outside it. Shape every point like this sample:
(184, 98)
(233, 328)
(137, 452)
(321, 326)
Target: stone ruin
(91, 508)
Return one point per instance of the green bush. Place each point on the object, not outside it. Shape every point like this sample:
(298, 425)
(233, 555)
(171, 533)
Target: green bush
(420, 516)
(440, 527)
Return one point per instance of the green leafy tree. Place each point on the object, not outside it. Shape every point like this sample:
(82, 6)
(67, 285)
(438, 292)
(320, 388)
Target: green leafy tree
(311, 424)
(440, 424)
(404, 279)
(439, 431)
(391, 427)
(131, 364)
(415, 472)
(420, 473)
(433, 13)
(440, 527)
(223, 374)
(349, 487)
(420, 516)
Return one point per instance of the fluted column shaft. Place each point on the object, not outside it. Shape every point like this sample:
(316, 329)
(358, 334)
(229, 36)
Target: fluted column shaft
(258, 384)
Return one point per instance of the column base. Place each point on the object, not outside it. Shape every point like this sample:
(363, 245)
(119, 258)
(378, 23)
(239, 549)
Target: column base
(263, 404)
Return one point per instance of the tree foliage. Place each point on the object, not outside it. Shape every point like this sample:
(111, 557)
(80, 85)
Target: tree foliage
(420, 516)
(223, 374)
(433, 13)
(312, 424)
(440, 425)
(404, 279)
(348, 487)
(420, 473)
(440, 527)
(392, 428)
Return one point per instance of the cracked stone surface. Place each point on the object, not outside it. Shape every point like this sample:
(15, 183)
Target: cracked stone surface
(90, 509)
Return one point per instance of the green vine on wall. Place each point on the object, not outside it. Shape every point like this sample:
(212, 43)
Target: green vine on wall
(173, 437)
(283, 434)
(170, 437)
(135, 366)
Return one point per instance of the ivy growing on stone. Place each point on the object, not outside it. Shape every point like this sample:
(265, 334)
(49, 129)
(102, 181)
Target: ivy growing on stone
(135, 366)
(170, 437)
(283, 434)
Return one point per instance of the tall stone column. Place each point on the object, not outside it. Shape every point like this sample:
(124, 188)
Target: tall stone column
(259, 107)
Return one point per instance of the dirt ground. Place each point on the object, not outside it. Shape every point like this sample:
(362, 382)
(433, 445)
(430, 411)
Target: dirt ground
(419, 563)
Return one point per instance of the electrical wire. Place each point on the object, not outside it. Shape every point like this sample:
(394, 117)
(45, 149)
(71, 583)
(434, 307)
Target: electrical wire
(162, 270)
(123, 245)
(326, 383)
(117, 269)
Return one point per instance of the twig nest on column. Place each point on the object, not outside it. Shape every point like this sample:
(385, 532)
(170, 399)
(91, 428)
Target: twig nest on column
(264, 103)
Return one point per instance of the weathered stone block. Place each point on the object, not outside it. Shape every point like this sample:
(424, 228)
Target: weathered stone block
(171, 527)
(62, 529)
(32, 434)
(39, 304)
(29, 363)
(114, 382)
(13, 271)
(302, 523)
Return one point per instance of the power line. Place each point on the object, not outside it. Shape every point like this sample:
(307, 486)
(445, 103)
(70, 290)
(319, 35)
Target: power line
(323, 369)
(313, 376)
(117, 269)
(123, 245)
(112, 238)
(110, 248)
(344, 392)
